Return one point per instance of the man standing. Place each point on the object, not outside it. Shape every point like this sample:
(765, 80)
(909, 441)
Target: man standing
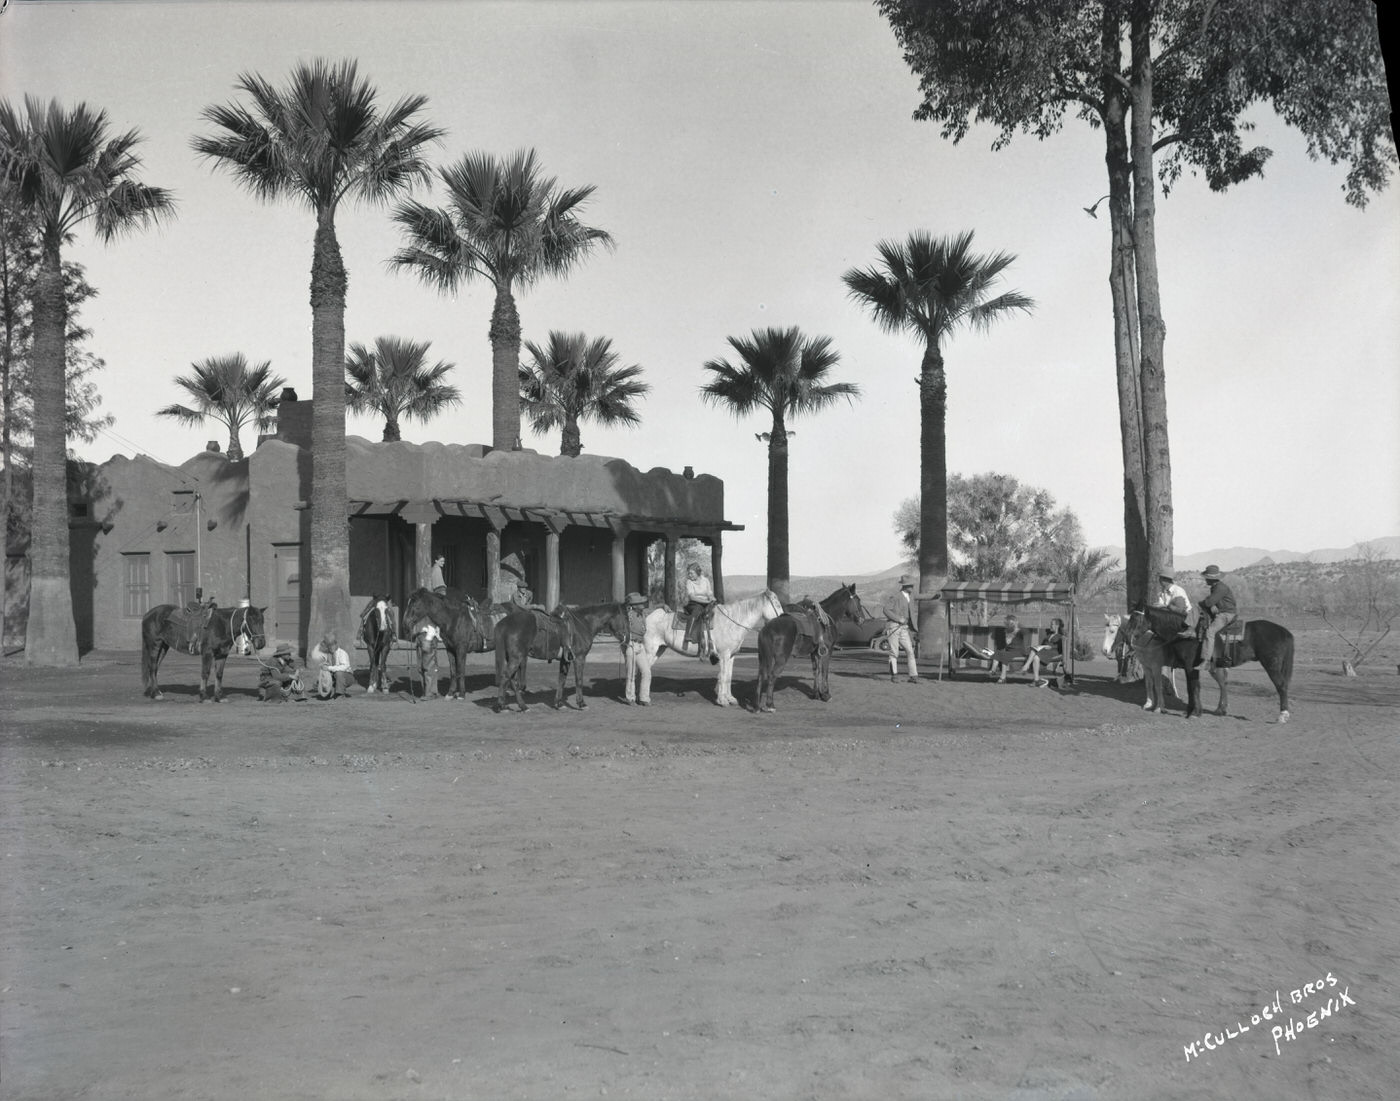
(632, 645)
(1219, 607)
(899, 629)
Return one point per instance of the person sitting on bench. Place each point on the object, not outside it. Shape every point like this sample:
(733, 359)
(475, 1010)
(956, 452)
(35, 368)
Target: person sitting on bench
(1050, 652)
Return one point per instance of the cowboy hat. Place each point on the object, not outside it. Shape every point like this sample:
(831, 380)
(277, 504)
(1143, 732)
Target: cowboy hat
(635, 598)
(1165, 575)
(1212, 573)
(283, 651)
(905, 581)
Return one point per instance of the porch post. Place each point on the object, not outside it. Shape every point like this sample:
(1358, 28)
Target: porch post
(673, 595)
(497, 519)
(717, 566)
(421, 514)
(619, 561)
(554, 527)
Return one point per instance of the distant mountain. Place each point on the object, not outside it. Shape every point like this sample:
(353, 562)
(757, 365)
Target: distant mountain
(738, 586)
(1234, 558)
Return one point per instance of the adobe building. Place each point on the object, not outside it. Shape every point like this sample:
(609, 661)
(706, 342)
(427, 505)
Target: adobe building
(575, 530)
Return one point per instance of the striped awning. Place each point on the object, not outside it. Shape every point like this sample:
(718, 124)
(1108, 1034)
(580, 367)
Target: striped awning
(1009, 592)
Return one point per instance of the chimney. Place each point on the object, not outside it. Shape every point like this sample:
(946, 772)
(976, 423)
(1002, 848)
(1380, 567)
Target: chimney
(212, 445)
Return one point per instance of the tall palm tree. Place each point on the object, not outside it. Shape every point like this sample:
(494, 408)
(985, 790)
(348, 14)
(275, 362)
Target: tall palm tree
(784, 372)
(931, 287)
(321, 140)
(573, 379)
(395, 382)
(507, 223)
(226, 390)
(66, 168)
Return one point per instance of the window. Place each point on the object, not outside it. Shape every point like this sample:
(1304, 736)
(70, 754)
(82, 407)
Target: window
(136, 584)
(182, 578)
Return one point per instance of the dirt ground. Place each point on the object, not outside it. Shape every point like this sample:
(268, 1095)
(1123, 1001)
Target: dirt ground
(943, 890)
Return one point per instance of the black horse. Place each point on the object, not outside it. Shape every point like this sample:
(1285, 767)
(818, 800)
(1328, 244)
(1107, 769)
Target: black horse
(1159, 643)
(802, 630)
(167, 625)
(514, 638)
(379, 628)
(461, 623)
(578, 627)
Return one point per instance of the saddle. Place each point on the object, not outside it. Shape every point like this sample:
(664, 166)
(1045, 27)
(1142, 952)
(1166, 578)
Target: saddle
(812, 621)
(192, 622)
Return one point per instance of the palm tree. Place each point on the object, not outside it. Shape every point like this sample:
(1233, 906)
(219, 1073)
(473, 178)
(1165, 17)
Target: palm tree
(784, 372)
(319, 141)
(506, 223)
(65, 168)
(574, 379)
(224, 389)
(930, 287)
(393, 381)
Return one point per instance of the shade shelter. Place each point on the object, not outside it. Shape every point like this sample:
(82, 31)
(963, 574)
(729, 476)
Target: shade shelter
(958, 597)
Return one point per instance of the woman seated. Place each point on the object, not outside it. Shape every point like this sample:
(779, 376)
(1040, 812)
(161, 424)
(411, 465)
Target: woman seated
(1050, 652)
(1013, 646)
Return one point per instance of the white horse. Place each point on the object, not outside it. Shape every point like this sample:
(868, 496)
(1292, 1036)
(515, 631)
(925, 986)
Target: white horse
(1118, 647)
(732, 623)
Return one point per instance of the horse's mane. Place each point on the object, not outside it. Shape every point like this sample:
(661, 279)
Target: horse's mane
(753, 603)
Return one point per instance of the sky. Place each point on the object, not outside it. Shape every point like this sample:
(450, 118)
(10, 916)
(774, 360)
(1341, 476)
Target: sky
(746, 154)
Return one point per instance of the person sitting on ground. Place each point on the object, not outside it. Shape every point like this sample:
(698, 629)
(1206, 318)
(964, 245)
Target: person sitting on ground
(699, 606)
(334, 673)
(1050, 651)
(1015, 648)
(1220, 610)
(281, 681)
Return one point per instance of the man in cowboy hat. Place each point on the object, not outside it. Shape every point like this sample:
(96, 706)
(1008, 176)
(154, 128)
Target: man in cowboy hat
(637, 608)
(900, 630)
(1219, 607)
(1170, 594)
(280, 680)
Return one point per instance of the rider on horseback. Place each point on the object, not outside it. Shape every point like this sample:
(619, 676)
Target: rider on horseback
(700, 607)
(1220, 610)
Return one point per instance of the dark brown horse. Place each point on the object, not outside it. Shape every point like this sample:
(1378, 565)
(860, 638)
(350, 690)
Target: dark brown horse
(514, 638)
(379, 628)
(803, 630)
(578, 628)
(1154, 637)
(167, 625)
(461, 624)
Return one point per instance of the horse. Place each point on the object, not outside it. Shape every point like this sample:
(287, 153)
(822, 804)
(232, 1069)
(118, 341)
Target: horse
(167, 625)
(514, 637)
(732, 623)
(579, 627)
(1116, 648)
(379, 627)
(780, 638)
(1263, 641)
(461, 624)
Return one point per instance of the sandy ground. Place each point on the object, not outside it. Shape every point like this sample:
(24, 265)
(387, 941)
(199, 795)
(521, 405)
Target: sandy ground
(949, 890)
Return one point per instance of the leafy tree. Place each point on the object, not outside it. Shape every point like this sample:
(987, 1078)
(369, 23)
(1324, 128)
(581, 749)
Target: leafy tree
(64, 168)
(321, 140)
(572, 379)
(999, 530)
(507, 223)
(224, 389)
(395, 382)
(784, 372)
(1194, 70)
(930, 288)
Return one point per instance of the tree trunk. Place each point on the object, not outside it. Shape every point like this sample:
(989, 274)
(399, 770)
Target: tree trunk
(9, 308)
(235, 445)
(391, 430)
(1157, 469)
(505, 371)
(1123, 289)
(570, 441)
(778, 579)
(330, 525)
(933, 498)
(52, 637)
